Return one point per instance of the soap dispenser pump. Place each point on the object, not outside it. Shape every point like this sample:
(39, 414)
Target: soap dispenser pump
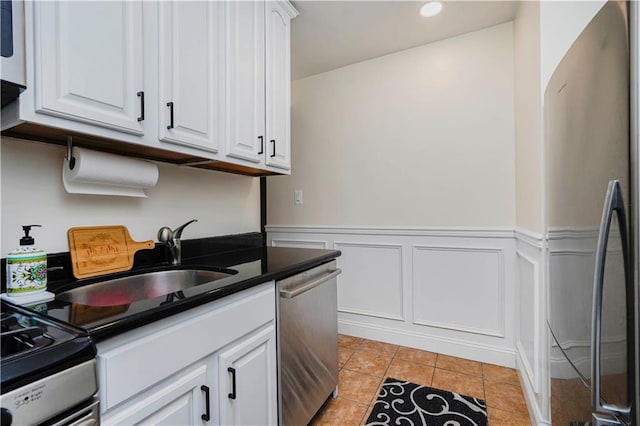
(26, 267)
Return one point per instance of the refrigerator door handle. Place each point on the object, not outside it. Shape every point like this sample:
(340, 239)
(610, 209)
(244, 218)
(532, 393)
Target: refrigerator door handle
(613, 203)
(599, 420)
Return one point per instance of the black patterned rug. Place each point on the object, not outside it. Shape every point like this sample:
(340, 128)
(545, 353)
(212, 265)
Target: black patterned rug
(405, 403)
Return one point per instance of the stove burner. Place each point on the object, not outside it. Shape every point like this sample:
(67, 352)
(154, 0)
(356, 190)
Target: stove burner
(18, 337)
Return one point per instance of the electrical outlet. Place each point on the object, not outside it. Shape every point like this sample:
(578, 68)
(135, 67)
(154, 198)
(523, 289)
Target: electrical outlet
(297, 196)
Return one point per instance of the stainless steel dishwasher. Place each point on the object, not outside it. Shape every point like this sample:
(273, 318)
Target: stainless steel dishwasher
(307, 333)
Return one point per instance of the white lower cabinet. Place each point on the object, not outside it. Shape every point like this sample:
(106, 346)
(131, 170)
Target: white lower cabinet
(247, 371)
(177, 370)
(177, 401)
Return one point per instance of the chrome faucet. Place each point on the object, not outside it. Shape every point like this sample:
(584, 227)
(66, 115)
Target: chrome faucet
(172, 240)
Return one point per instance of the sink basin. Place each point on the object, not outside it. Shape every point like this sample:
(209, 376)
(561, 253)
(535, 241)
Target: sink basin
(134, 288)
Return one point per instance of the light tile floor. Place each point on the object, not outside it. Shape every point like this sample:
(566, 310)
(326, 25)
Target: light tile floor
(363, 364)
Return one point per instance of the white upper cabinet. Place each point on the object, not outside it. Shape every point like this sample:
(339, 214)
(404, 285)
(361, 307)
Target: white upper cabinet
(258, 83)
(88, 62)
(207, 80)
(191, 73)
(245, 80)
(278, 78)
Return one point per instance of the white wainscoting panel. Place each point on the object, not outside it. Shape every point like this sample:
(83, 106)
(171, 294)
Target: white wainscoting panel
(446, 290)
(459, 288)
(529, 315)
(532, 357)
(371, 281)
(571, 269)
(571, 291)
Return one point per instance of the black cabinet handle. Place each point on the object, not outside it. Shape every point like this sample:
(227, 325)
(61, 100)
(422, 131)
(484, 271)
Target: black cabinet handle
(261, 144)
(232, 370)
(141, 96)
(273, 141)
(170, 105)
(207, 415)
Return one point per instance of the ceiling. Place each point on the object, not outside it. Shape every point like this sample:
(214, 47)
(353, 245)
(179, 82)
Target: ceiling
(332, 34)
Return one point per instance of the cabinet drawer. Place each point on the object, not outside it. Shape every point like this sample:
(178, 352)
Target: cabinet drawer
(133, 361)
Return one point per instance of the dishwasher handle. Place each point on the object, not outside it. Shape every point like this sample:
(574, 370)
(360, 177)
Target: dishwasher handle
(290, 294)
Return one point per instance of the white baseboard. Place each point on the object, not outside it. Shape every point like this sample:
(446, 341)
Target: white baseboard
(535, 416)
(447, 346)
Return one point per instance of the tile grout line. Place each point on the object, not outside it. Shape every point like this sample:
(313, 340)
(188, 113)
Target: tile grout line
(433, 373)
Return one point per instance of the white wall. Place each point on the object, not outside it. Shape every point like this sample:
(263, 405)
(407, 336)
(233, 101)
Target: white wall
(423, 137)
(528, 118)
(561, 22)
(32, 192)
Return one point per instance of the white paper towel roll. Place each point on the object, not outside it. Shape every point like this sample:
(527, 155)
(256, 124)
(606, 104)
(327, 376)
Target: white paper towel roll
(100, 173)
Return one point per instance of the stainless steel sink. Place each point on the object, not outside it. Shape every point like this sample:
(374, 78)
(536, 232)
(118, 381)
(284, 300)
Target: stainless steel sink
(126, 290)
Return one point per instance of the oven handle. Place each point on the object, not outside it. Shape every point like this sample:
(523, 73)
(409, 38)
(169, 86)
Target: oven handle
(290, 294)
(89, 414)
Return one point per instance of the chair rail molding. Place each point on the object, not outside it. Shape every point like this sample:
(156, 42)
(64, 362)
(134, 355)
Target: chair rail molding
(299, 243)
(460, 232)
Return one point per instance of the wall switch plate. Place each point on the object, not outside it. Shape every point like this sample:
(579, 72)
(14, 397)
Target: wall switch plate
(297, 196)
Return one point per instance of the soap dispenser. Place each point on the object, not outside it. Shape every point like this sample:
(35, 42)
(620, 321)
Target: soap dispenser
(26, 267)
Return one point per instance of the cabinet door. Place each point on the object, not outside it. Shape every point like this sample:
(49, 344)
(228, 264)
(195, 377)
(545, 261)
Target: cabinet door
(179, 400)
(88, 62)
(190, 73)
(247, 374)
(278, 77)
(245, 79)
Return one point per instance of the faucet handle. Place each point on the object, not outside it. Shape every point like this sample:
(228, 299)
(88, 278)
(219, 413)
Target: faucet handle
(177, 233)
(165, 234)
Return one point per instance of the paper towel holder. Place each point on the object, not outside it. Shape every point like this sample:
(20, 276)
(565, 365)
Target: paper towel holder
(99, 173)
(68, 156)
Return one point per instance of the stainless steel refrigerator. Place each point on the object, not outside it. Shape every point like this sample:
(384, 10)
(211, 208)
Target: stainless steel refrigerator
(591, 187)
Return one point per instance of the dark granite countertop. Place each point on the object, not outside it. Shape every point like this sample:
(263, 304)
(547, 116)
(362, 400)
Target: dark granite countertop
(255, 264)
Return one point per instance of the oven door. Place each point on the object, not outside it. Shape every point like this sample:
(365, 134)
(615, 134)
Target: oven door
(53, 399)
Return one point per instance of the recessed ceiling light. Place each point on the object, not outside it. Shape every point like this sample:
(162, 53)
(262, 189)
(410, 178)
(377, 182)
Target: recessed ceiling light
(430, 9)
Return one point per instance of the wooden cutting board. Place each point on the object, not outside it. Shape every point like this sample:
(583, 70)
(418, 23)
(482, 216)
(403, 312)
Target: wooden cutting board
(98, 250)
